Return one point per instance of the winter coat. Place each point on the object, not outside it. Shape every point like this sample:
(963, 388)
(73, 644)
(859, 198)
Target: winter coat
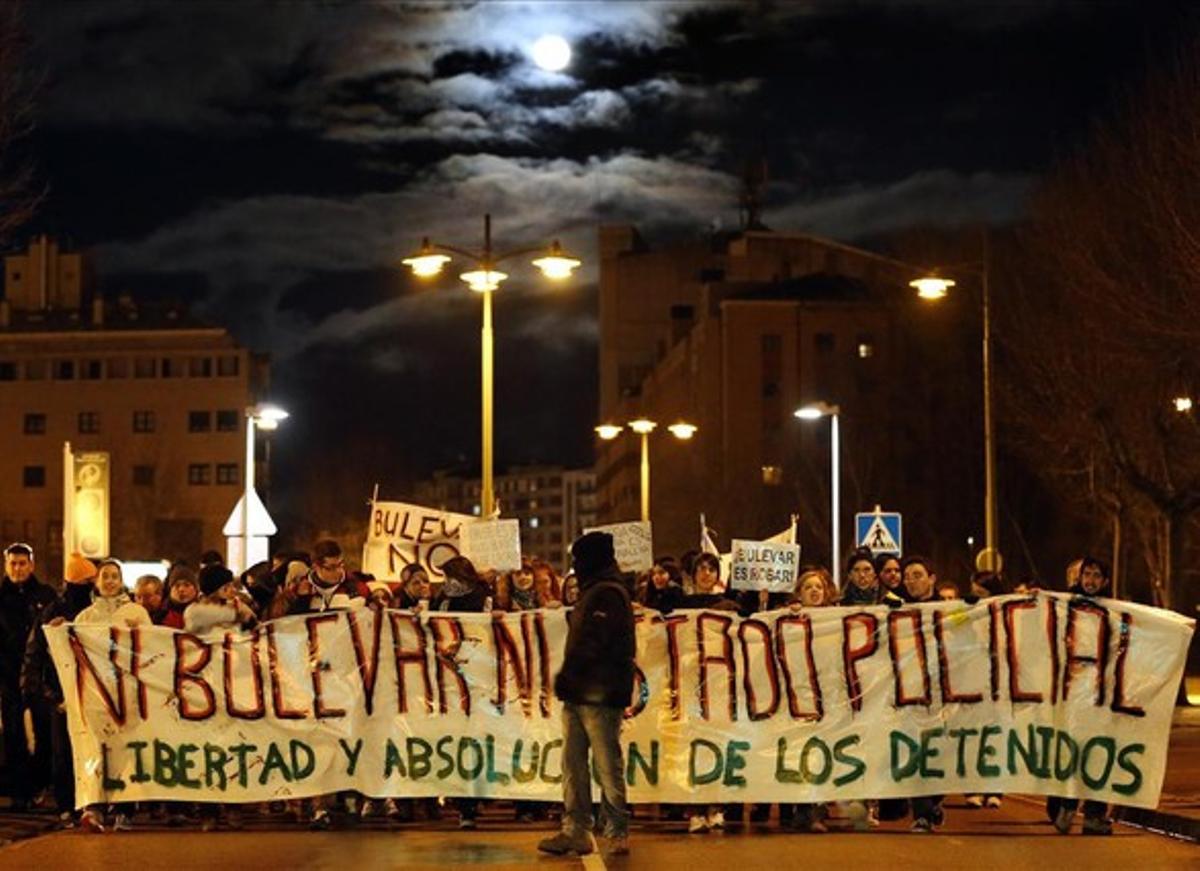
(39, 677)
(665, 600)
(852, 594)
(347, 593)
(21, 607)
(472, 603)
(597, 664)
(114, 611)
(201, 617)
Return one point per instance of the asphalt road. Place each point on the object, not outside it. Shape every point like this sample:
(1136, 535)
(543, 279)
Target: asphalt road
(1014, 837)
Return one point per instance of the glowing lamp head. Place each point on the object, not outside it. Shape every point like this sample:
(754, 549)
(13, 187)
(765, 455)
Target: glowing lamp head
(1182, 403)
(483, 280)
(267, 416)
(641, 426)
(682, 430)
(931, 286)
(426, 262)
(609, 431)
(557, 264)
(816, 411)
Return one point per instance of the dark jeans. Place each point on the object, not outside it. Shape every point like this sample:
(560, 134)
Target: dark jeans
(1092, 810)
(27, 774)
(927, 807)
(597, 727)
(62, 765)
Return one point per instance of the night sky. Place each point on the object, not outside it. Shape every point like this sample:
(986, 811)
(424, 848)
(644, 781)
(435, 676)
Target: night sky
(272, 162)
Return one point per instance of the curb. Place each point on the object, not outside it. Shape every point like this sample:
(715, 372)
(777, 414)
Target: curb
(1172, 825)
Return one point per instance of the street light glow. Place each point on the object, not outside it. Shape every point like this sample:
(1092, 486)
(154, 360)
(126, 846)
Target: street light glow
(557, 264)
(1182, 403)
(815, 411)
(426, 262)
(483, 280)
(552, 53)
(682, 430)
(931, 287)
(641, 426)
(266, 416)
(609, 431)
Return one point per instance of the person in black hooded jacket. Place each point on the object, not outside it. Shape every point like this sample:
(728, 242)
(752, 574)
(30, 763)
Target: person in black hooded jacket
(595, 686)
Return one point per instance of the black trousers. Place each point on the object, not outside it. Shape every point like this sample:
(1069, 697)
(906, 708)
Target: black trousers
(27, 775)
(62, 765)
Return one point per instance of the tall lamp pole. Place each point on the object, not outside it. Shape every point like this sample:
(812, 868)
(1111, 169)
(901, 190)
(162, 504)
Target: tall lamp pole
(643, 428)
(934, 287)
(814, 412)
(265, 417)
(483, 279)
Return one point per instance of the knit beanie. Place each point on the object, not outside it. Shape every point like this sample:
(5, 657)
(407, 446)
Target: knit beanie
(213, 577)
(79, 569)
(592, 554)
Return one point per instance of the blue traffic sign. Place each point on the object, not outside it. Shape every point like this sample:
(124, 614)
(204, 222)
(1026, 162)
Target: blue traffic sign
(879, 531)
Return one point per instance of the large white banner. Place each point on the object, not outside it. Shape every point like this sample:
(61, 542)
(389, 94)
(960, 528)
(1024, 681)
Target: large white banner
(1047, 694)
(399, 534)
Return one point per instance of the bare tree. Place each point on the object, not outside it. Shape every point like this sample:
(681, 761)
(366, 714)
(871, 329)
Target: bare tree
(19, 195)
(1100, 330)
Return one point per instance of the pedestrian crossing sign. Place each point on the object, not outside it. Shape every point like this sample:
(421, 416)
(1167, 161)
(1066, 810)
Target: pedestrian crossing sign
(879, 531)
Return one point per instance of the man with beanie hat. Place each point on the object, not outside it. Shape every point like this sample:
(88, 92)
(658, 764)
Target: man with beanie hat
(595, 686)
(39, 678)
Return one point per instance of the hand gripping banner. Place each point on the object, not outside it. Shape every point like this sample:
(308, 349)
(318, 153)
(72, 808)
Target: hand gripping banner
(1036, 694)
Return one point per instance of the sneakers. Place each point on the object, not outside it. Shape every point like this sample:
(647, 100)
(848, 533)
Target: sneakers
(367, 809)
(320, 821)
(716, 818)
(993, 801)
(1063, 820)
(122, 823)
(697, 824)
(562, 844)
(208, 824)
(1097, 826)
(975, 801)
(90, 821)
(859, 815)
(922, 825)
(618, 845)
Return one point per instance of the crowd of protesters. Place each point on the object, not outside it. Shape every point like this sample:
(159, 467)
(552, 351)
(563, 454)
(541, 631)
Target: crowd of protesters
(207, 596)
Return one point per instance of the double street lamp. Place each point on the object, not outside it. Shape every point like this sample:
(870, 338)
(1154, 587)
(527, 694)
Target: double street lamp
(643, 428)
(816, 411)
(484, 278)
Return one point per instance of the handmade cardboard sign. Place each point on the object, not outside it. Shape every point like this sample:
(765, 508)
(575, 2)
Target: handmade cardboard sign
(399, 534)
(632, 543)
(493, 544)
(761, 565)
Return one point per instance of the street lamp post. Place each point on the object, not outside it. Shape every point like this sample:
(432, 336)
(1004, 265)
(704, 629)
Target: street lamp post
(934, 287)
(555, 264)
(265, 417)
(814, 412)
(643, 428)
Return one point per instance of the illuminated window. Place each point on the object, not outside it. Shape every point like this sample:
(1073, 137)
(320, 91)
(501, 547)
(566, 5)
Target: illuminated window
(772, 476)
(865, 350)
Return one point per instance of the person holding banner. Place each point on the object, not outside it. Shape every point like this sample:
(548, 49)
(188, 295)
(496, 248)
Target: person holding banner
(887, 569)
(415, 590)
(919, 583)
(863, 584)
(595, 685)
(1093, 581)
(665, 590)
(181, 592)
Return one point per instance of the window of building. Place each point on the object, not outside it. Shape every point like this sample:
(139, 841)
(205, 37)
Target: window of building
(199, 474)
(227, 365)
(89, 422)
(35, 370)
(143, 367)
(34, 476)
(143, 476)
(824, 343)
(170, 368)
(866, 346)
(64, 370)
(8, 370)
(200, 367)
(91, 370)
(35, 423)
(117, 367)
(199, 421)
(534, 522)
(772, 476)
(227, 420)
(227, 473)
(143, 421)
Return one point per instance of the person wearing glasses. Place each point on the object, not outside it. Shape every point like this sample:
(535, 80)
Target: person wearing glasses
(23, 598)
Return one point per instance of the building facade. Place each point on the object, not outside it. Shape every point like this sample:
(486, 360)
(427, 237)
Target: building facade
(163, 396)
(553, 504)
(732, 334)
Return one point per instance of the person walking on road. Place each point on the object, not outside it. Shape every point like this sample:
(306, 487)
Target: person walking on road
(595, 686)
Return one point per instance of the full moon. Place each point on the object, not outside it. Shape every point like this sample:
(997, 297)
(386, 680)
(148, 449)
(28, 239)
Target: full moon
(552, 53)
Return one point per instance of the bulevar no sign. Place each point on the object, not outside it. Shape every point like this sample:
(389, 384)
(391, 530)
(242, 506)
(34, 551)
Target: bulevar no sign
(1047, 694)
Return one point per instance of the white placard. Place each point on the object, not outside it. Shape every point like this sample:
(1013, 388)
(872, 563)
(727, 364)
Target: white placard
(761, 565)
(493, 544)
(632, 543)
